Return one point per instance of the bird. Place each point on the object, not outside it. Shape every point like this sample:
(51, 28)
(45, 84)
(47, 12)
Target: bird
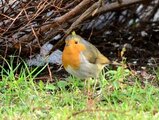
(81, 58)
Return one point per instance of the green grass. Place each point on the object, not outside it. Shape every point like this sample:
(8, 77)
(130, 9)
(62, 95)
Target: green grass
(23, 98)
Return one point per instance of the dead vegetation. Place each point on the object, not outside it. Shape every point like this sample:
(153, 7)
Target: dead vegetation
(26, 25)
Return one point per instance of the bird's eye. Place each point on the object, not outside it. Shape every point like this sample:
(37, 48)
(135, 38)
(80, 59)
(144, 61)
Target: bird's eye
(76, 42)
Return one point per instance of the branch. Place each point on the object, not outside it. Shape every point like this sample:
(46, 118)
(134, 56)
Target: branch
(58, 21)
(116, 5)
(90, 13)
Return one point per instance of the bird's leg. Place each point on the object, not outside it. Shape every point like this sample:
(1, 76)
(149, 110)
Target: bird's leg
(91, 102)
(87, 83)
(88, 89)
(94, 87)
(88, 86)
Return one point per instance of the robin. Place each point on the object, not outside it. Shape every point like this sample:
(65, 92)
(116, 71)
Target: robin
(82, 59)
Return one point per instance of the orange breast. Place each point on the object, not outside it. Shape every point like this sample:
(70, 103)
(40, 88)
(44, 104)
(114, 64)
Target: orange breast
(71, 55)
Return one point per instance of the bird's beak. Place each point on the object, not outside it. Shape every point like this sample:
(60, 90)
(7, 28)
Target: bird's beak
(66, 44)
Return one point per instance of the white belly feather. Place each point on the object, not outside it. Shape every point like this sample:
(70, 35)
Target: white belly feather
(86, 69)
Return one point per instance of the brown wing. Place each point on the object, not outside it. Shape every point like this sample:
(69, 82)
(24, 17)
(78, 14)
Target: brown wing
(93, 55)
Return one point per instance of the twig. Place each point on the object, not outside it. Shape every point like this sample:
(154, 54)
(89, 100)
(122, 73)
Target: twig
(88, 13)
(95, 110)
(12, 22)
(58, 21)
